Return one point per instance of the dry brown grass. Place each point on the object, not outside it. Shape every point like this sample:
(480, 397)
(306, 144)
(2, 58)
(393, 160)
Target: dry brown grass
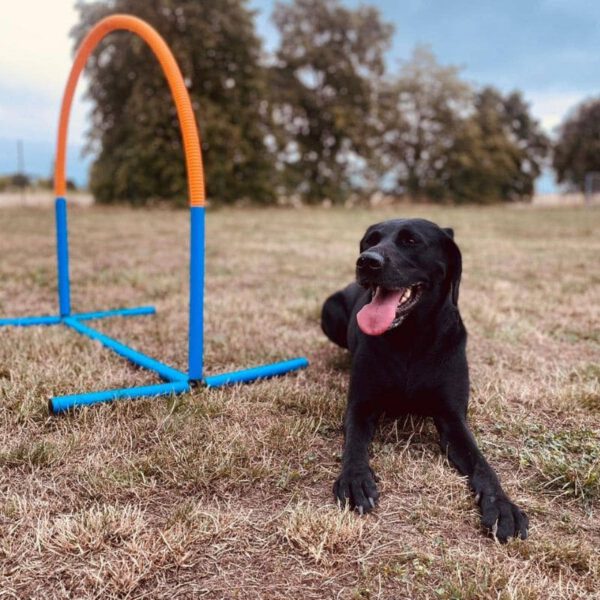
(227, 493)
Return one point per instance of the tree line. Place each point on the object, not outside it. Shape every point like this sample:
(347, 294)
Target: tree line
(318, 119)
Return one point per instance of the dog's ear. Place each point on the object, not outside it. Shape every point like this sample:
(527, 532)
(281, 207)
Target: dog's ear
(454, 264)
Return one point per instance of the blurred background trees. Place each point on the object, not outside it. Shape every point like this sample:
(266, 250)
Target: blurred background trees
(318, 119)
(577, 149)
(498, 151)
(422, 111)
(323, 94)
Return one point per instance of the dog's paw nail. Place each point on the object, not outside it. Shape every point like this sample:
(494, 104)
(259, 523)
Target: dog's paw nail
(372, 502)
(361, 511)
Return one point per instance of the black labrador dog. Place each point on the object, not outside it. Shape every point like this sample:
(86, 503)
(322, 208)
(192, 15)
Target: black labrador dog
(401, 323)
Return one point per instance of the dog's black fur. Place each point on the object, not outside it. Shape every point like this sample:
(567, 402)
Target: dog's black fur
(417, 367)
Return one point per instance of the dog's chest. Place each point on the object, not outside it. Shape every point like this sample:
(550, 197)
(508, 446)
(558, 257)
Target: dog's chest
(414, 385)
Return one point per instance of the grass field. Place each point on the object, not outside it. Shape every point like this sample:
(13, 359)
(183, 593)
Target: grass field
(227, 493)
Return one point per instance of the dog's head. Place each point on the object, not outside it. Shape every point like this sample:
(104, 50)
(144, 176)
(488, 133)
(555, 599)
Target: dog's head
(408, 265)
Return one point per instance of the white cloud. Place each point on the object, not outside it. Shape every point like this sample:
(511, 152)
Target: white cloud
(34, 42)
(551, 107)
(35, 58)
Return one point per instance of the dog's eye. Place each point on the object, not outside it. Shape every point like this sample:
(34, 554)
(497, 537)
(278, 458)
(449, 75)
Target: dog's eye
(406, 239)
(372, 239)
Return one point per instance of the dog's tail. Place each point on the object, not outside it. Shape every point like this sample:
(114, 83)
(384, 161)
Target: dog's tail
(335, 317)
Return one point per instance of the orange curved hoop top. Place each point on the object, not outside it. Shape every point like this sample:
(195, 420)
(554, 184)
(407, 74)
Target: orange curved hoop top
(189, 129)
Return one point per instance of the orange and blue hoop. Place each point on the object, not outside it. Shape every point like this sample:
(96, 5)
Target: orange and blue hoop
(176, 382)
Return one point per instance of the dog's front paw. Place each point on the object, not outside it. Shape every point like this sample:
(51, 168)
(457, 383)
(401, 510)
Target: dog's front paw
(356, 487)
(501, 518)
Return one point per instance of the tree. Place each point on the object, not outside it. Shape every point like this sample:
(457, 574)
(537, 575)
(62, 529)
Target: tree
(498, 152)
(134, 125)
(445, 141)
(324, 84)
(422, 112)
(20, 181)
(577, 149)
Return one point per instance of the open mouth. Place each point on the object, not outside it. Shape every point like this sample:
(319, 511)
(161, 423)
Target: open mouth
(387, 308)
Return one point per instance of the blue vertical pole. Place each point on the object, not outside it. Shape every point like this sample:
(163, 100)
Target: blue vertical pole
(62, 254)
(196, 321)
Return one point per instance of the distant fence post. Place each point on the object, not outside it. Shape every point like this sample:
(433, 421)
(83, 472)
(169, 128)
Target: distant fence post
(591, 186)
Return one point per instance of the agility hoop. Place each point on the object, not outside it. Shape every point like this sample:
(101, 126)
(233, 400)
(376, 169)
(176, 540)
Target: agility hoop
(177, 382)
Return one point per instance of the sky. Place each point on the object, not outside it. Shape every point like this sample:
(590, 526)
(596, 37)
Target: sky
(548, 49)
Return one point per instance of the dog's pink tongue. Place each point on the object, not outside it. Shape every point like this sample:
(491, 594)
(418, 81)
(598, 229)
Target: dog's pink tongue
(376, 317)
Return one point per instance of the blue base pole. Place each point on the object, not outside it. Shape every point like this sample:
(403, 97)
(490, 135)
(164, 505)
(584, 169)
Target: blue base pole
(54, 320)
(119, 312)
(62, 255)
(196, 320)
(60, 404)
(130, 354)
(28, 321)
(262, 372)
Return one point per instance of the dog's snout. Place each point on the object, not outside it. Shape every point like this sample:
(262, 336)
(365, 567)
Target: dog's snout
(370, 260)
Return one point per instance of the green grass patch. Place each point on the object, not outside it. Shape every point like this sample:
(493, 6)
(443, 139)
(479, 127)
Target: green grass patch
(567, 462)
